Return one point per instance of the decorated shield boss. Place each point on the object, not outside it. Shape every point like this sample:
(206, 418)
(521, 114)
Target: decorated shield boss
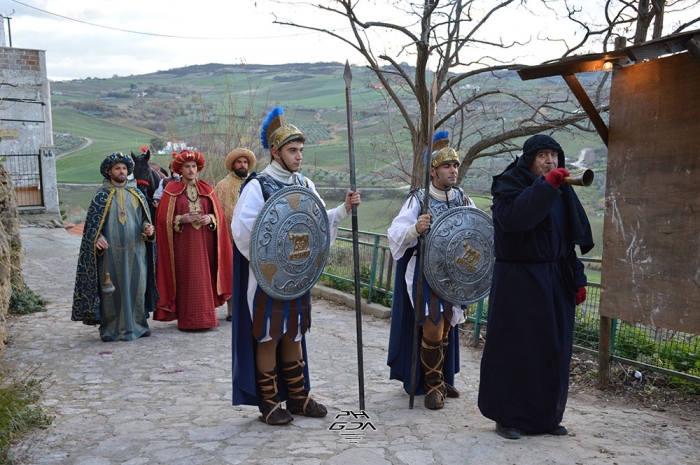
(289, 244)
(459, 255)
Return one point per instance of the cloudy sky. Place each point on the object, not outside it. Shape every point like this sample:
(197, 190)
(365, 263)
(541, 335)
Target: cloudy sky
(102, 38)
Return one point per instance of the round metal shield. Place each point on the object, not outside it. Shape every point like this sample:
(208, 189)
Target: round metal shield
(459, 255)
(289, 244)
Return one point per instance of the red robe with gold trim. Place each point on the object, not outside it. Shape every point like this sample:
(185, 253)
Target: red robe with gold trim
(194, 266)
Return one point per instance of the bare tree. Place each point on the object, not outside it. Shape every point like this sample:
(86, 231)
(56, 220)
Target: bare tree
(217, 127)
(464, 44)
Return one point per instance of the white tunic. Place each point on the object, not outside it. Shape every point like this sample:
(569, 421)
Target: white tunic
(249, 205)
(402, 236)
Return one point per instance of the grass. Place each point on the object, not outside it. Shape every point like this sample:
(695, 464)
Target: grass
(597, 230)
(19, 398)
(75, 201)
(19, 411)
(83, 166)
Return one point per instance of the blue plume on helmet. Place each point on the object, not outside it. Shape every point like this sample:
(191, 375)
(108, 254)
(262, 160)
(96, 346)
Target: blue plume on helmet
(438, 136)
(274, 114)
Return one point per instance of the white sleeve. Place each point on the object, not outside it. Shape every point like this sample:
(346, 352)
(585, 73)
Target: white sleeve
(249, 204)
(402, 233)
(159, 192)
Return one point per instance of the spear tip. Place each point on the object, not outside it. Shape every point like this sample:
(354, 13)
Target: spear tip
(347, 74)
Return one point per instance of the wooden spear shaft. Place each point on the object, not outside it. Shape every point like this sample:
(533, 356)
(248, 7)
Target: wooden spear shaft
(418, 299)
(347, 75)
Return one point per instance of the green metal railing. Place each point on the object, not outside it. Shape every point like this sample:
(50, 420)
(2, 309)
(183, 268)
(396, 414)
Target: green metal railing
(669, 352)
(376, 265)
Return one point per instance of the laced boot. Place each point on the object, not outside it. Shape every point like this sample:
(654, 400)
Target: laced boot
(431, 359)
(299, 401)
(450, 390)
(270, 406)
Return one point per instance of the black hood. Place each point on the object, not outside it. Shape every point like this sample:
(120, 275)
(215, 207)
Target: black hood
(536, 143)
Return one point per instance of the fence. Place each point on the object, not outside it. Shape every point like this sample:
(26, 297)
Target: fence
(376, 266)
(25, 171)
(670, 352)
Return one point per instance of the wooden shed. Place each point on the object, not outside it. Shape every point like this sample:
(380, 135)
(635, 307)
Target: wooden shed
(651, 238)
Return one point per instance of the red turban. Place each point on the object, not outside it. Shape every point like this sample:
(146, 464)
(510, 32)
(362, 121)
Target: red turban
(185, 156)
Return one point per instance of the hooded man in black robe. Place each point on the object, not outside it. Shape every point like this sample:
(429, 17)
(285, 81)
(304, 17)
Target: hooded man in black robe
(537, 283)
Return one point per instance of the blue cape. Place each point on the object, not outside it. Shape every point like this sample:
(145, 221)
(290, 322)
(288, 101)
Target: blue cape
(401, 336)
(86, 296)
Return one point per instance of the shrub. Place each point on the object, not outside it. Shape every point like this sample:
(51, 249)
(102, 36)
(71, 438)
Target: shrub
(338, 284)
(25, 302)
(586, 333)
(633, 343)
(684, 385)
(378, 296)
(680, 358)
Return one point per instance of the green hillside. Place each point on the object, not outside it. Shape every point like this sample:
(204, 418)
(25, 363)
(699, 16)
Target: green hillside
(105, 137)
(218, 107)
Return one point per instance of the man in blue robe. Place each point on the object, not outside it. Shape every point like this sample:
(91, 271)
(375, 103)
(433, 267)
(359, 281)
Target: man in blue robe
(537, 283)
(111, 285)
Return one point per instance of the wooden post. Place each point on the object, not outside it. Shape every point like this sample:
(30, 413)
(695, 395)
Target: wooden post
(604, 354)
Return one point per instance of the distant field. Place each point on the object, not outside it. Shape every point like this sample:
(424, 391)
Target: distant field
(84, 166)
(75, 201)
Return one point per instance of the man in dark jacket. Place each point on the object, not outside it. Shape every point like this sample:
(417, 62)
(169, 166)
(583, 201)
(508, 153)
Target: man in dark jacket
(537, 282)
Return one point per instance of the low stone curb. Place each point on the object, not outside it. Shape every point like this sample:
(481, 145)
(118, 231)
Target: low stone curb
(334, 295)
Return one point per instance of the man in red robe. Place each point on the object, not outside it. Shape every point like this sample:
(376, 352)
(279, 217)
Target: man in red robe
(193, 269)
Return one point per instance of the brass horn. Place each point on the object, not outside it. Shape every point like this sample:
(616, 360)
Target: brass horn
(584, 178)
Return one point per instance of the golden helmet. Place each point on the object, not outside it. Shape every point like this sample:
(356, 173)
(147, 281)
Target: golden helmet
(441, 152)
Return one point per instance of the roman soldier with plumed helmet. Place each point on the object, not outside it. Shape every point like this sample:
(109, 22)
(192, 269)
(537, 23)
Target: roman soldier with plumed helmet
(269, 334)
(439, 349)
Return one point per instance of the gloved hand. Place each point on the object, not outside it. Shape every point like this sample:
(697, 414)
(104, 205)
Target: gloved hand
(580, 295)
(556, 177)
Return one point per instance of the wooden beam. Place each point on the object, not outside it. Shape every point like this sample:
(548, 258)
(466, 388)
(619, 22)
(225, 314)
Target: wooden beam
(693, 46)
(572, 65)
(653, 49)
(588, 106)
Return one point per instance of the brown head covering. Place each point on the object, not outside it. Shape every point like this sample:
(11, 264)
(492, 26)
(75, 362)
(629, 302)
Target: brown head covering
(235, 154)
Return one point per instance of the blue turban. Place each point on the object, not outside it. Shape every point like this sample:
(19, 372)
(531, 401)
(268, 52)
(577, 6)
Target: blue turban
(111, 160)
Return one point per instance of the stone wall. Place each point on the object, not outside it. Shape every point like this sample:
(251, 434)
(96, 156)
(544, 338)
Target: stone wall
(25, 110)
(10, 249)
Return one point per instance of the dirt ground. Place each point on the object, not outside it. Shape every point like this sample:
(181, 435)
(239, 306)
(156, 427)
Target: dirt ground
(660, 415)
(652, 390)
